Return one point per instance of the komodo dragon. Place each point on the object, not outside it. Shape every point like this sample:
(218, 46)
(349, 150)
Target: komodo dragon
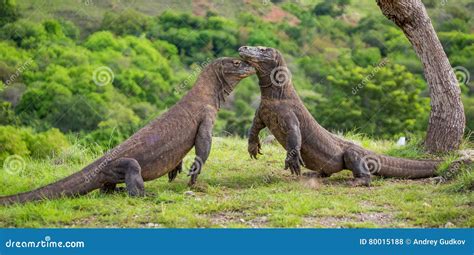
(307, 143)
(159, 147)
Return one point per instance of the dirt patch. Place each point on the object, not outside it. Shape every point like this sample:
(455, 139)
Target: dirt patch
(88, 222)
(224, 219)
(381, 219)
(277, 14)
(311, 183)
(201, 7)
(381, 216)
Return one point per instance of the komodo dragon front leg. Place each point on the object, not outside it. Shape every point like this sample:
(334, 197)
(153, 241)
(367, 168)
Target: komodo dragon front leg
(291, 125)
(254, 145)
(202, 144)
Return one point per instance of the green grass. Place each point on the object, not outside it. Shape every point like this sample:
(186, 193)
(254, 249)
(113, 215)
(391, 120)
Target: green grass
(234, 191)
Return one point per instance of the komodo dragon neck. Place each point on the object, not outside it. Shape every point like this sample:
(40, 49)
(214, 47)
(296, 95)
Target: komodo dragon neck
(282, 91)
(213, 95)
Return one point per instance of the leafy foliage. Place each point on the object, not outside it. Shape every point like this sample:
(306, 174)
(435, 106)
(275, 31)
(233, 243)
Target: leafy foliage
(8, 11)
(47, 69)
(26, 142)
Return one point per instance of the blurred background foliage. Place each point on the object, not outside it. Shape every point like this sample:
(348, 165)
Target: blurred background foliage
(353, 68)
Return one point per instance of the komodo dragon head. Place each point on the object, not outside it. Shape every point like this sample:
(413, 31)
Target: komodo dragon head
(262, 58)
(234, 69)
(271, 67)
(228, 71)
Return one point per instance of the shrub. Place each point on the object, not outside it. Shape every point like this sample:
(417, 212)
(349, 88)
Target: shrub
(26, 142)
(11, 143)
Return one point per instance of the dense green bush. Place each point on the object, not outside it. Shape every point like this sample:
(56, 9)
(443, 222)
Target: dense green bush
(469, 111)
(26, 142)
(383, 100)
(8, 11)
(47, 70)
(11, 143)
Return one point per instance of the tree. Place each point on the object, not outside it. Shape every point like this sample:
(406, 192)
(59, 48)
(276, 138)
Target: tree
(331, 8)
(8, 11)
(129, 22)
(382, 101)
(447, 120)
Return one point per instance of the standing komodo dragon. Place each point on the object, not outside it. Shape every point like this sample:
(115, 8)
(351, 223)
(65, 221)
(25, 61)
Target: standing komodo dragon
(159, 147)
(307, 143)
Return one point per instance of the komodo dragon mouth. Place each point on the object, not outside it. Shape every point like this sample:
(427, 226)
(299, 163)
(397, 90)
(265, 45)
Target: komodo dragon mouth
(257, 54)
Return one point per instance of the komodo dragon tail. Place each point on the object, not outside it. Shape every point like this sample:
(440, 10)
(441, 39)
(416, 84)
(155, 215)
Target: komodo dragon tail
(78, 183)
(406, 168)
(376, 164)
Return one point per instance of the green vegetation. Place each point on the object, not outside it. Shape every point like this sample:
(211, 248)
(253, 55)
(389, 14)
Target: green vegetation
(24, 142)
(8, 11)
(235, 191)
(90, 74)
(354, 69)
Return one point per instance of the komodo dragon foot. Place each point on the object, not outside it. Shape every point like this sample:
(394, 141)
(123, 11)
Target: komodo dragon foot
(294, 162)
(174, 173)
(195, 171)
(110, 188)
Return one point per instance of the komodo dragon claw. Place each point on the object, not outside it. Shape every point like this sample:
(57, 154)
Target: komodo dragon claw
(294, 161)
(194, 171)
(254, 149)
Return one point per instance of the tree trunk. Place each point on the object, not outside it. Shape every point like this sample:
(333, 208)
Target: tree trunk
(447, 120)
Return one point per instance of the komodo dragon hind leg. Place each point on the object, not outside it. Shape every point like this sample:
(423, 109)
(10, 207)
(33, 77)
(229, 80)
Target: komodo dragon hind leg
(174, 173)
(110, 188)
(360, 165)
(126, 170)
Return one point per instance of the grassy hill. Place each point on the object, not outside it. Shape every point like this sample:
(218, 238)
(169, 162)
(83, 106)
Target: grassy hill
(90, 11)
(234, 191)
(55, 102)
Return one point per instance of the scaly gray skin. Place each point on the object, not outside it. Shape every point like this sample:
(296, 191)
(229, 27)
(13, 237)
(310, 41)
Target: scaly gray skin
(307, 143)
(159, 147)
